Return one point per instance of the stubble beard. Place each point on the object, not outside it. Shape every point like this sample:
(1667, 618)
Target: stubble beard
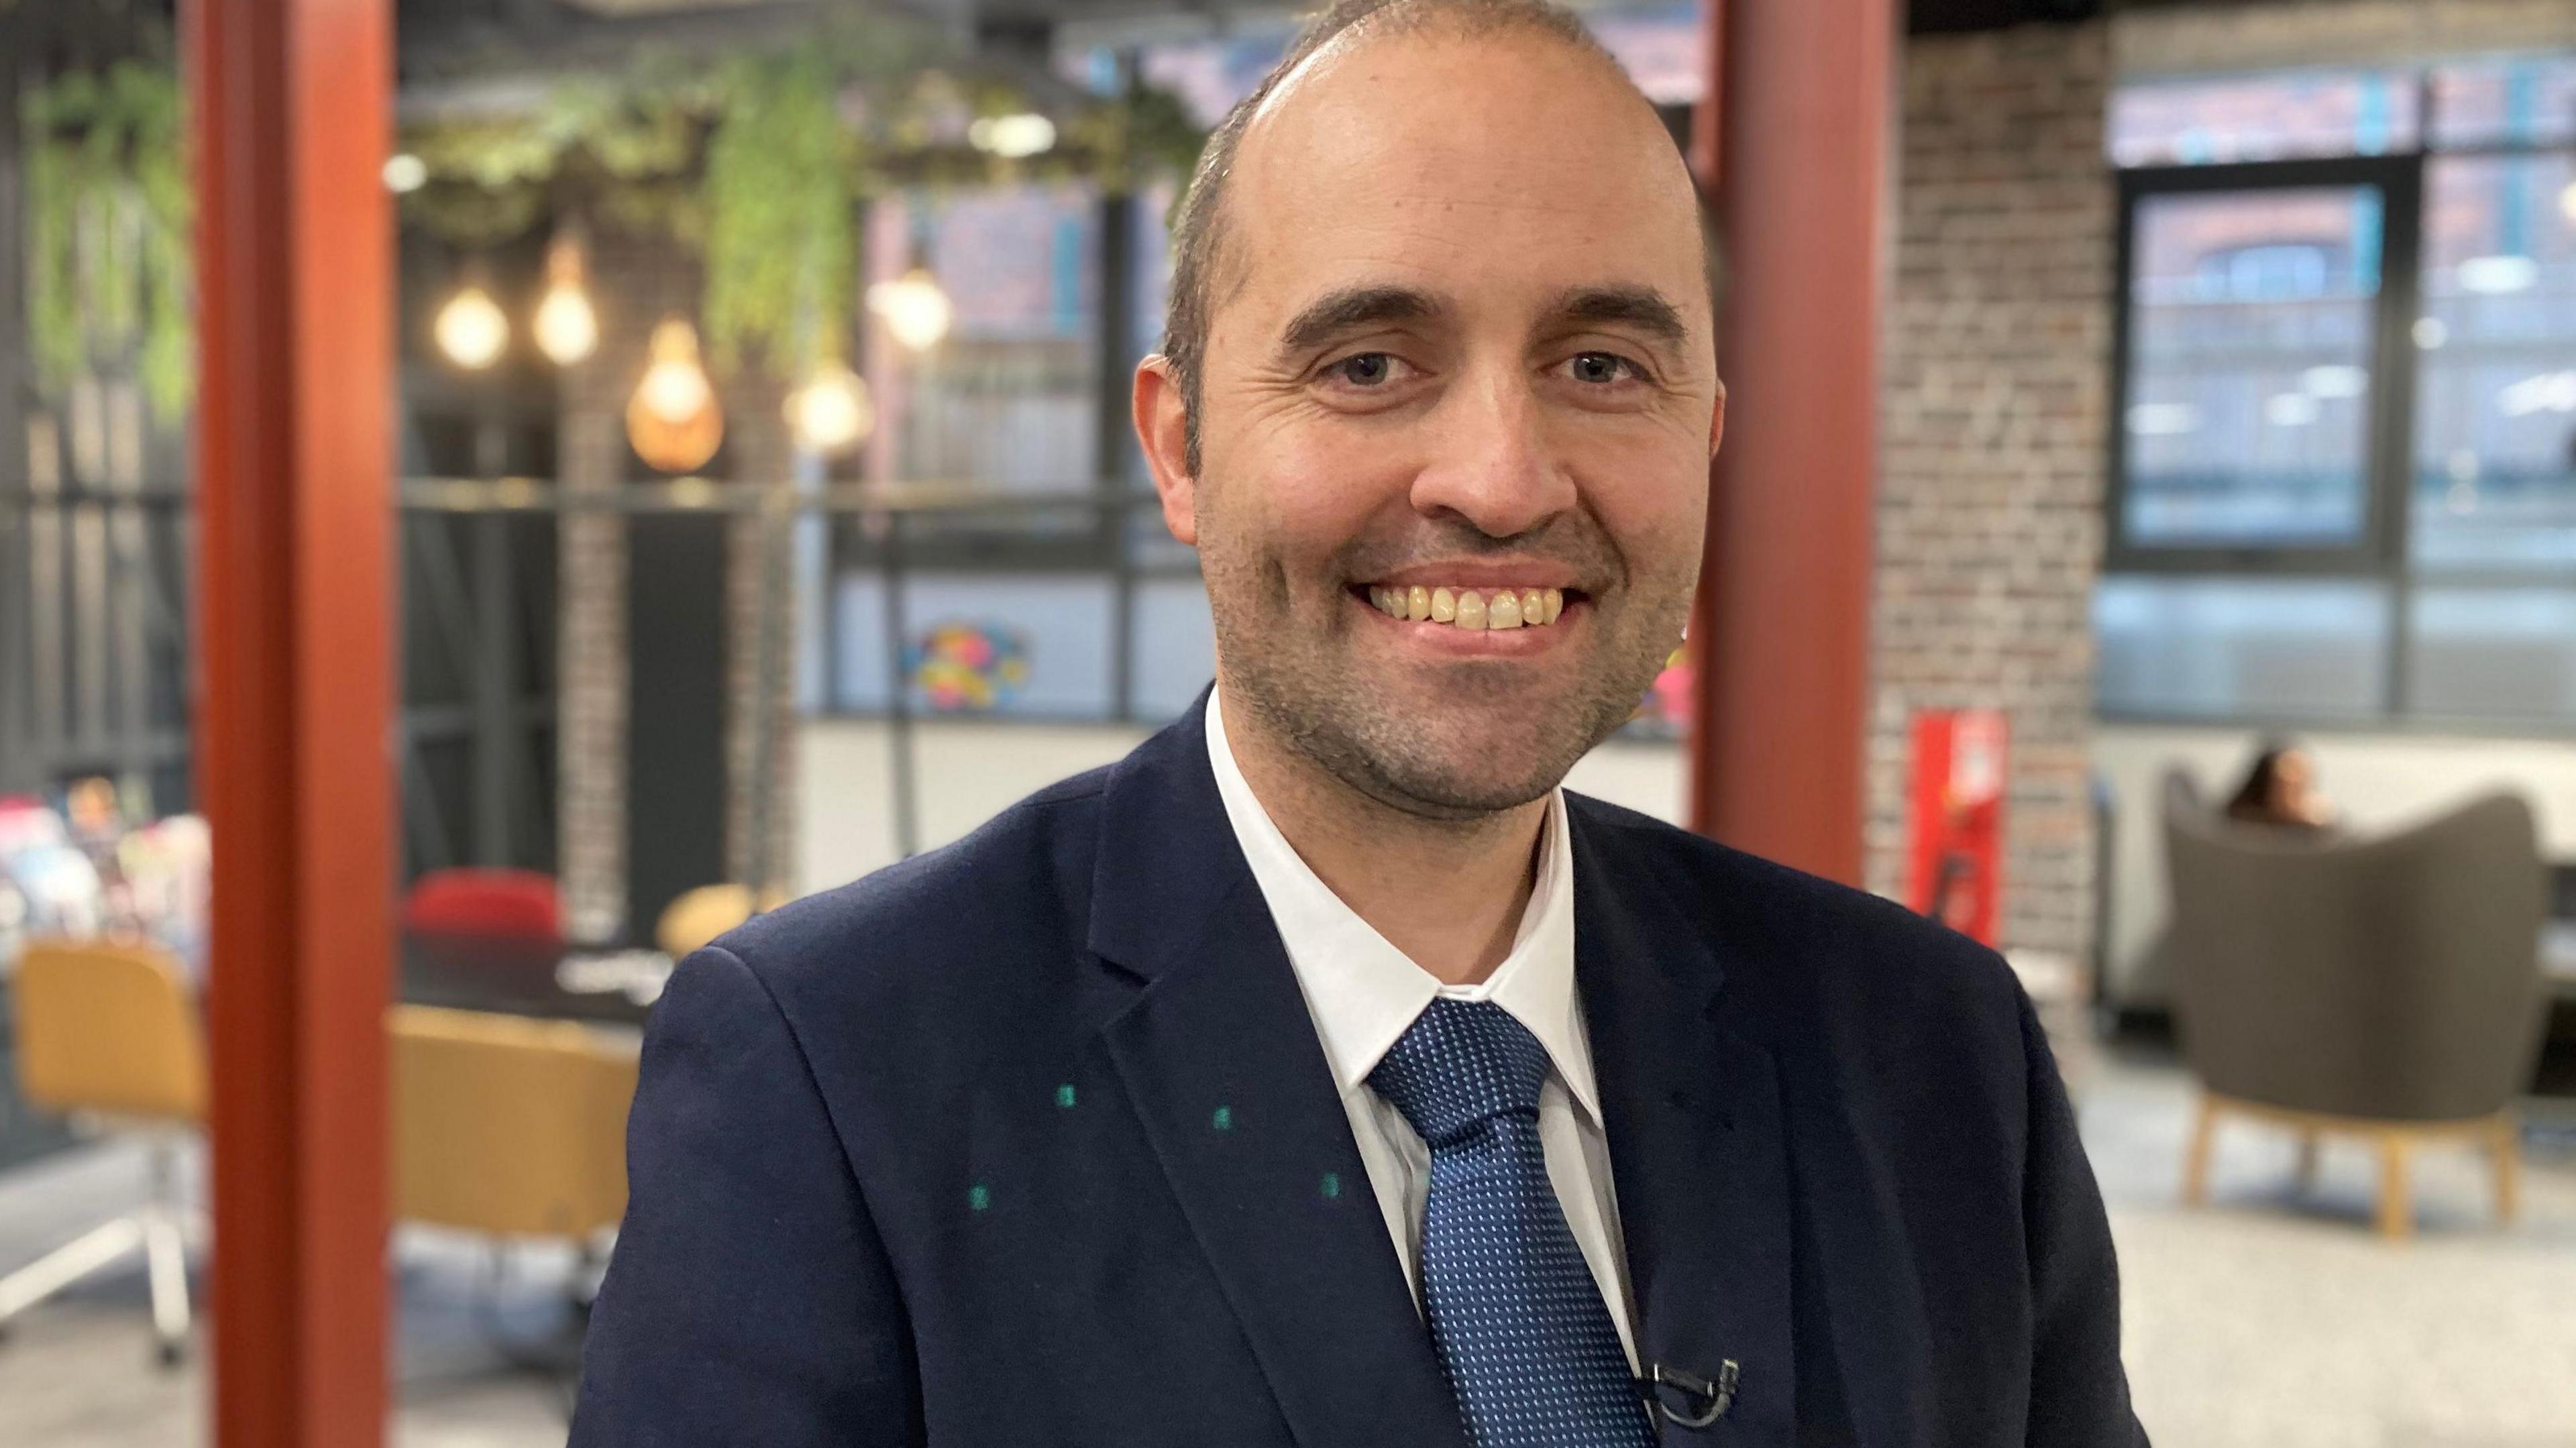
(1500, 748)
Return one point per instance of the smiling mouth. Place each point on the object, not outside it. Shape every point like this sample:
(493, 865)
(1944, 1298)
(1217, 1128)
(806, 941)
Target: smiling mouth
(1474, 609)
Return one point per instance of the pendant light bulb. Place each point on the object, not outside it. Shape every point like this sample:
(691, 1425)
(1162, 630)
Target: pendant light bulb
(471, 330)
(915, 310)
(831, 413)
(567, 327)
(673, 419)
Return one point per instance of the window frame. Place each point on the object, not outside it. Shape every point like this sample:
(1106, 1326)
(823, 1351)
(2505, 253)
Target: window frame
(2381, 543)
(2383, 553)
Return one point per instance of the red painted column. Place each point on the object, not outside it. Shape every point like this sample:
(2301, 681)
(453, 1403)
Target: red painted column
(290, 120)
(1793, 149)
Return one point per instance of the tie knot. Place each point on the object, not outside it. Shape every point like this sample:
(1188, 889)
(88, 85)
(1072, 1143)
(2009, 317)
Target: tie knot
(1460, 1064)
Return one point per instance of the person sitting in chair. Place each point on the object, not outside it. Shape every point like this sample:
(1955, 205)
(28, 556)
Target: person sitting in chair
(2281, 789)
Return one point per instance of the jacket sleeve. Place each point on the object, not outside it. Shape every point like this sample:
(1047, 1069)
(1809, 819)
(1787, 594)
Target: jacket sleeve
(749, 1300)
(2079, 1393)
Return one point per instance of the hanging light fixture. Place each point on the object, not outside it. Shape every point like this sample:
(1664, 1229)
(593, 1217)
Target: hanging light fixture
(915, 310)
(673, 420)
(1012, 137)
(831, 413)
(471, 329)
(567, 328)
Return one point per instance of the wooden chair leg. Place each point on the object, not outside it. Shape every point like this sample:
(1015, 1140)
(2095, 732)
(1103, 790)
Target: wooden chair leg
(2195, 1162)
(2505, 1147)
(2396, 1209)
(2308, 1140)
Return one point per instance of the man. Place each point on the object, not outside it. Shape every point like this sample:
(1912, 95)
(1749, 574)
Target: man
(1322, 1074)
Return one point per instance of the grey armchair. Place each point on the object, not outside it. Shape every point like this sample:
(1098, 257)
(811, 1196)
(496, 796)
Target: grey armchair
(2384, 986)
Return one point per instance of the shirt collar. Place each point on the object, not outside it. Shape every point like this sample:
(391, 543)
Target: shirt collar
(1362, 991)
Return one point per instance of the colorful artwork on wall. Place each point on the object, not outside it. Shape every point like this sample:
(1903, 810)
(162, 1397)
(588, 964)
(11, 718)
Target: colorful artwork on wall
(965, 666)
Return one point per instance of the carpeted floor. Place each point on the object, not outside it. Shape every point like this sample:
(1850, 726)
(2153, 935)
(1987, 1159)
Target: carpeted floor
(2262, 1322)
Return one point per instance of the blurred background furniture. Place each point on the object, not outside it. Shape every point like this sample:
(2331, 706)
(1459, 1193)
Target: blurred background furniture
(2387, 987)
(509, 1127)
(706, 912)
(109, 1032)
(514, 1130)
(531, 976)
(489, 902)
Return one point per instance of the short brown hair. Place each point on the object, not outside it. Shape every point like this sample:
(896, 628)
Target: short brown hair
(1198, 225)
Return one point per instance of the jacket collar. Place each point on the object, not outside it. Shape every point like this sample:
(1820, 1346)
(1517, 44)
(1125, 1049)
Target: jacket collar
(1223, 1067)
(1160, 875)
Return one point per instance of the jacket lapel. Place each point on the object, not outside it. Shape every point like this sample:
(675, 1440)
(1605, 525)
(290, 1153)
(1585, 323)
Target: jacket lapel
(1692, 1110)
(1221, 1062)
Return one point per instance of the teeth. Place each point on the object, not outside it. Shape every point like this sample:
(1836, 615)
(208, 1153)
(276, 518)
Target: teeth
(1469, 608)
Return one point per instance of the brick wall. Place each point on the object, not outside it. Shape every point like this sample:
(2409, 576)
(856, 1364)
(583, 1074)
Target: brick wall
(1994, 403)
(639, 280)
(759, 578)
(635, 280)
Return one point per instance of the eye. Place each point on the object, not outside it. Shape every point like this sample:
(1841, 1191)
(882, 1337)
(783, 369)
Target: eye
(1602, 368)
(1364, 369)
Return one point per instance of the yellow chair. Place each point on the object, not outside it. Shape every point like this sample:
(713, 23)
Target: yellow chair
(702, 914)
(109, 1033)
(508, 1126)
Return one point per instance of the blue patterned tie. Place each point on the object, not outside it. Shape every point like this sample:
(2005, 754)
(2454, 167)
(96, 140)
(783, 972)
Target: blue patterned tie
(1516, 1318)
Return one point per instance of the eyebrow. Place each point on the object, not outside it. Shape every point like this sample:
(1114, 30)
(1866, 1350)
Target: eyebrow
(1334, 313)
(1643, 308)
(1350, 308)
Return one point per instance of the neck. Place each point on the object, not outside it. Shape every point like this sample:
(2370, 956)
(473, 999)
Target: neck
(1449, 893)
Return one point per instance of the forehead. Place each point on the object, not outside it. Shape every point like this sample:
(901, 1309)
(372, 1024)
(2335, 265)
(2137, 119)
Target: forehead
(1483, 166)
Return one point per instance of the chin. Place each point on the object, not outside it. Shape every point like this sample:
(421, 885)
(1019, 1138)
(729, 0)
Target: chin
(1468, 784)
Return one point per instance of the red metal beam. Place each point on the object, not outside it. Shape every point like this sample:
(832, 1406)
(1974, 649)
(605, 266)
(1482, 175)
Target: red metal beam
(294, 300)
(1792, 148)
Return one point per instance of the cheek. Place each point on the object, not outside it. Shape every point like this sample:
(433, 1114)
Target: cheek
(1653, 501)
(1302, 491)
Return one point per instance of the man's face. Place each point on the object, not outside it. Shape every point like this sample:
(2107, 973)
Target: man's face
(1460, 346)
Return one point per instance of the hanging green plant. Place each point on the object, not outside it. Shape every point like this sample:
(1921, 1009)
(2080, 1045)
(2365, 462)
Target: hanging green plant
(779, 210)
(629, 143)
(108, 240)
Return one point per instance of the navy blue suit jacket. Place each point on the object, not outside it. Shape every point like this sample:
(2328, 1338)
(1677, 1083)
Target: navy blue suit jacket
(1030, 1141)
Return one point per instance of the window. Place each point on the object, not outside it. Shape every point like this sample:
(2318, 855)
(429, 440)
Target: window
(2344, 459)
(2249, 364)
(2264, 117)
(2495, 414)
(1007, 399)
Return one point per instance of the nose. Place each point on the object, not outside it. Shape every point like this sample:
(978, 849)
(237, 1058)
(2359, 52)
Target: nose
(1490, 461)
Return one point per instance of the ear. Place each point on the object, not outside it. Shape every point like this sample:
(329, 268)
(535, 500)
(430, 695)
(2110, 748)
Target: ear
(1717, 420)
(1162, 431)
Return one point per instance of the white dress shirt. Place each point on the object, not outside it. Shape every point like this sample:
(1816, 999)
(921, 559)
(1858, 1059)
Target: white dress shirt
(1363, 993)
